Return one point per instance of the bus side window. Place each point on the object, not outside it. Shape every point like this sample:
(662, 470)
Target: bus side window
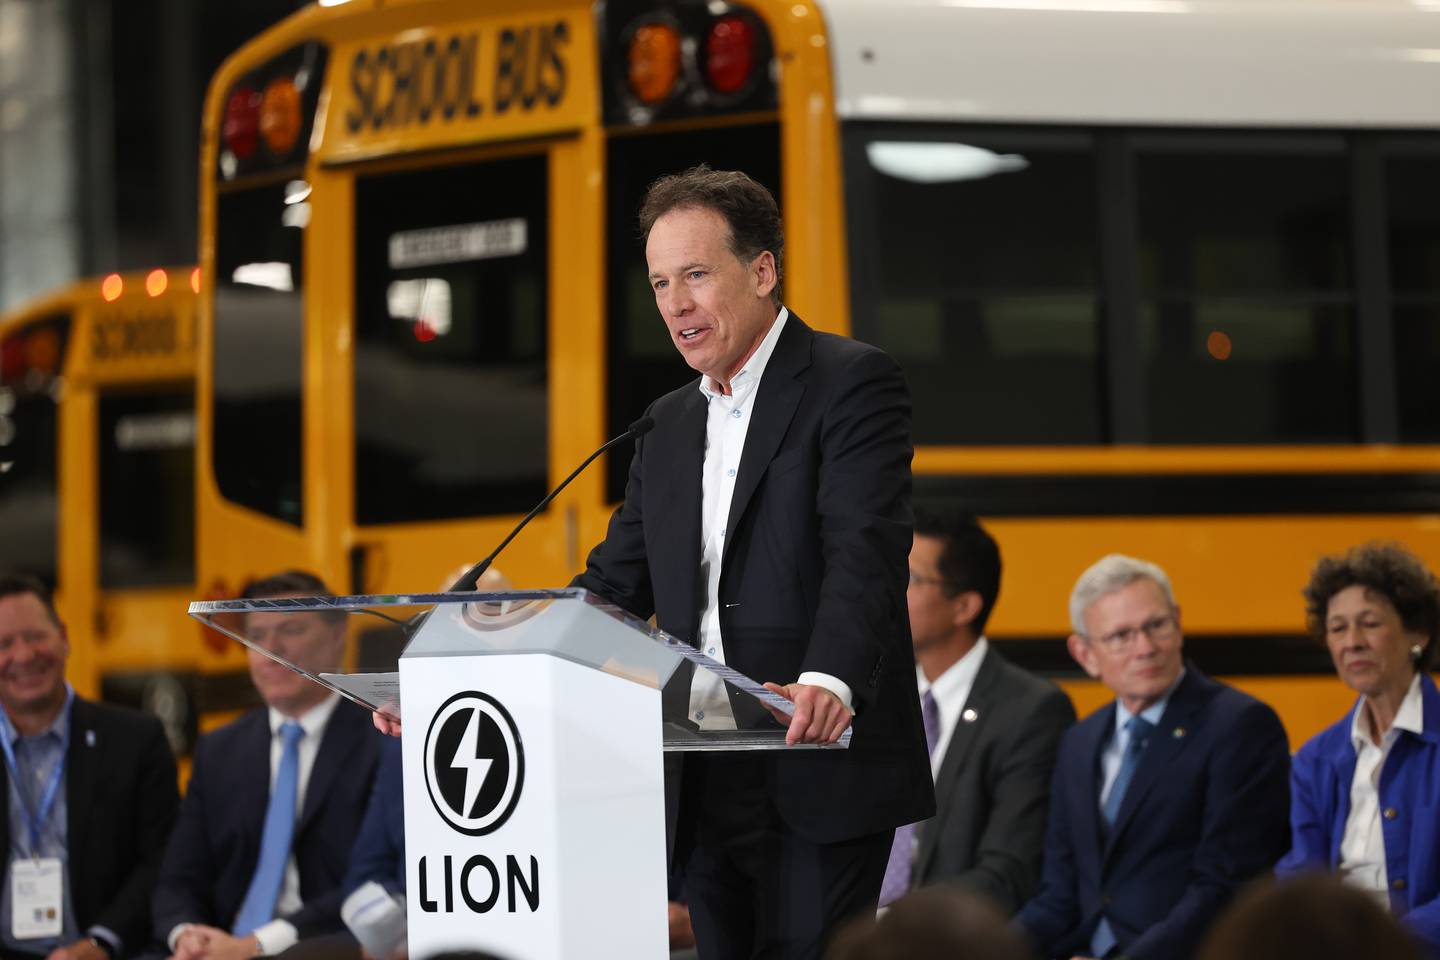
(1413, 202)
(1247, 289)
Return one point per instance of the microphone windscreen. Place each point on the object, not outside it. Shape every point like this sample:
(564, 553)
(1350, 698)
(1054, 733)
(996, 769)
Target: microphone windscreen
(641, 427)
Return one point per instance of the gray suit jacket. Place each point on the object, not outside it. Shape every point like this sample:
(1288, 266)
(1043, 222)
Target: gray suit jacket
(992, 793)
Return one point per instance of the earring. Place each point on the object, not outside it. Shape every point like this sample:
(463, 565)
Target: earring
(1415, 651)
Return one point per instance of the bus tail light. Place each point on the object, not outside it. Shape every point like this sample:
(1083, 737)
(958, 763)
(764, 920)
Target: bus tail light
(111, 288)
(729, 54)
(242, 122)
(653, 61)
(280, 119)
(269, 112)
(667, 60)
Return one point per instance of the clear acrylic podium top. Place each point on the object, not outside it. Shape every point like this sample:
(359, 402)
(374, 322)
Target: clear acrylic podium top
(572, 624)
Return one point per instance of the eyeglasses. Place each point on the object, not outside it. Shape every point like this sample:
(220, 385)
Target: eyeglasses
(1159, 629)
(919, 580)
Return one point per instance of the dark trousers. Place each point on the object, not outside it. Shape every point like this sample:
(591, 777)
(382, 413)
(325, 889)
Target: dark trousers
(757, 890)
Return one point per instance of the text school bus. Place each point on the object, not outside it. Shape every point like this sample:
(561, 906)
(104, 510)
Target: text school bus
(1164, 276)
(97, 441)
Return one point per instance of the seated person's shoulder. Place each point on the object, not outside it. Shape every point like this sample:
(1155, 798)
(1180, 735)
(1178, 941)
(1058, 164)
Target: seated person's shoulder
(1234, 710)
(125, 721)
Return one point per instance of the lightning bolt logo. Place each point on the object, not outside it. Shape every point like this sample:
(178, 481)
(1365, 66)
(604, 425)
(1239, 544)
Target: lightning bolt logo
(467, 758)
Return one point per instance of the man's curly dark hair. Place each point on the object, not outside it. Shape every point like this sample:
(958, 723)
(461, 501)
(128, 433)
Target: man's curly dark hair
(1391, 571)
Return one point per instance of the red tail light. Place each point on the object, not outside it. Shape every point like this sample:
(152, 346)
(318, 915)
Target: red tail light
(241, 130)
(729, 54)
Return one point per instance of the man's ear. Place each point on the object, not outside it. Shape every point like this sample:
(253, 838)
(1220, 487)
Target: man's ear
(1079, 648)
(766, 276)
(966, 606)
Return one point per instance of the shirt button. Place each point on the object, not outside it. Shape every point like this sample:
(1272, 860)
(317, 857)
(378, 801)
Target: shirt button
(711, 651)
(1398, 883)
(1390, 813)
(730, 473)
(736, 414)
(699, 714)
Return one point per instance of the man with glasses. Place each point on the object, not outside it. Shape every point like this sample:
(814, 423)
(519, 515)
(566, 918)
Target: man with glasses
(1164, 802)
(991, 727)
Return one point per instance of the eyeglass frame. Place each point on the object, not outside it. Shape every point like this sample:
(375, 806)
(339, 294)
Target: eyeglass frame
(917, 579)
(1160, 628)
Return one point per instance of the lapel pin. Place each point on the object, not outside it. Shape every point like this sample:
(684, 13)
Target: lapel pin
(969, 716)
(89, 738)
(1178, 733)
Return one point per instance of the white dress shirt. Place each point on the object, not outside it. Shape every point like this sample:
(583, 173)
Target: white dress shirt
(1362, 848)
(951, 689)
(278, 935)
(726, 425)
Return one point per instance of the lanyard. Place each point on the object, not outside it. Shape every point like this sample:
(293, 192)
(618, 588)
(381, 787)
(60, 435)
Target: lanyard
(37, 817)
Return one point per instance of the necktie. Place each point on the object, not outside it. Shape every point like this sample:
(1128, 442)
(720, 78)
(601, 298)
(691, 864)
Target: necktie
(897, 870)
(258, 907)
(1103, 940)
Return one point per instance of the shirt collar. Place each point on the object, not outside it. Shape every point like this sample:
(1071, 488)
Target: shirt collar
(311, 721)
(960, 675)
(1152, 713)
(754, 368)
(1410, 717)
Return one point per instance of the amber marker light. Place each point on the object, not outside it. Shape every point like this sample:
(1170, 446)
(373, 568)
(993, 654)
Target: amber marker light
(155, 282)
(195, 280)
(111, 287)
(1218, 343)
(280, 116)
(654, 62)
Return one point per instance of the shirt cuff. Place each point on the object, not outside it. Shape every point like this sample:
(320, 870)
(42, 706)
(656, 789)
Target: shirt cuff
(117, 946)
(835, 685)
(175, 932)
(275, 936)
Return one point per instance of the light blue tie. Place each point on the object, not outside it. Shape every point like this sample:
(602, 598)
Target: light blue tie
(259, 906)
(1139, 729)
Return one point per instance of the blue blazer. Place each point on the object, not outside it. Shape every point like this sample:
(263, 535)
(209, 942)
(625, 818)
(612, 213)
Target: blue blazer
(1204, 813)
(379, 851)
(1409, 785)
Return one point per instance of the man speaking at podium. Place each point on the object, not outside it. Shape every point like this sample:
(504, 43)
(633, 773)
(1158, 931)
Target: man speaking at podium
(779, 547)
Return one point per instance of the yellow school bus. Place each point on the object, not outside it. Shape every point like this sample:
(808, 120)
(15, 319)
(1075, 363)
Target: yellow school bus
(97, 439)
(1162, 274)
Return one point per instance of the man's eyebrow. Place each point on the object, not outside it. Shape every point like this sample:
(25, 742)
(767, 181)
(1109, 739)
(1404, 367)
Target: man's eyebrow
(693, 264)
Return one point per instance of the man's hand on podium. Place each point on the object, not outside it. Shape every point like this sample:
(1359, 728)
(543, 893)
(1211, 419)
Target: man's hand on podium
(386, 724)
(819, 717)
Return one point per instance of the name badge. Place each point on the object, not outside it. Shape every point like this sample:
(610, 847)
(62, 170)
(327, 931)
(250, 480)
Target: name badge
(36, 898)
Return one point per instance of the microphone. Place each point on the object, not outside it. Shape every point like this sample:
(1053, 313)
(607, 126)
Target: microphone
(472, 576)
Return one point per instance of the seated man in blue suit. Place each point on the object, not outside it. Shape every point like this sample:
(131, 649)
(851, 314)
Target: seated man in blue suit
(1164, 802)
(275, 799)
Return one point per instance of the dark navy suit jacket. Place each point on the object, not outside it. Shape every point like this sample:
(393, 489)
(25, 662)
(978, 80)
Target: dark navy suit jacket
(1205, 812)
(213, 851)
(1409, 786)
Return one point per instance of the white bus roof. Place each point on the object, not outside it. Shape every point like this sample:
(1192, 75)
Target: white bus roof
(1293, 63)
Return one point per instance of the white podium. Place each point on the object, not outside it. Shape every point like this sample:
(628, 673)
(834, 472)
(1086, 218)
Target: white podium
(534, 730)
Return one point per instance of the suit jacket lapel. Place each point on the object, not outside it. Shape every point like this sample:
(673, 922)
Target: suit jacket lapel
(81, 760)
(1087, 822)
(1170, 737)
(962, 738)
(337, 743)
(775, 404)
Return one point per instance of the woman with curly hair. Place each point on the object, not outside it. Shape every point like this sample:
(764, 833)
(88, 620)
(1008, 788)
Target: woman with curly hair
(1365, 793)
